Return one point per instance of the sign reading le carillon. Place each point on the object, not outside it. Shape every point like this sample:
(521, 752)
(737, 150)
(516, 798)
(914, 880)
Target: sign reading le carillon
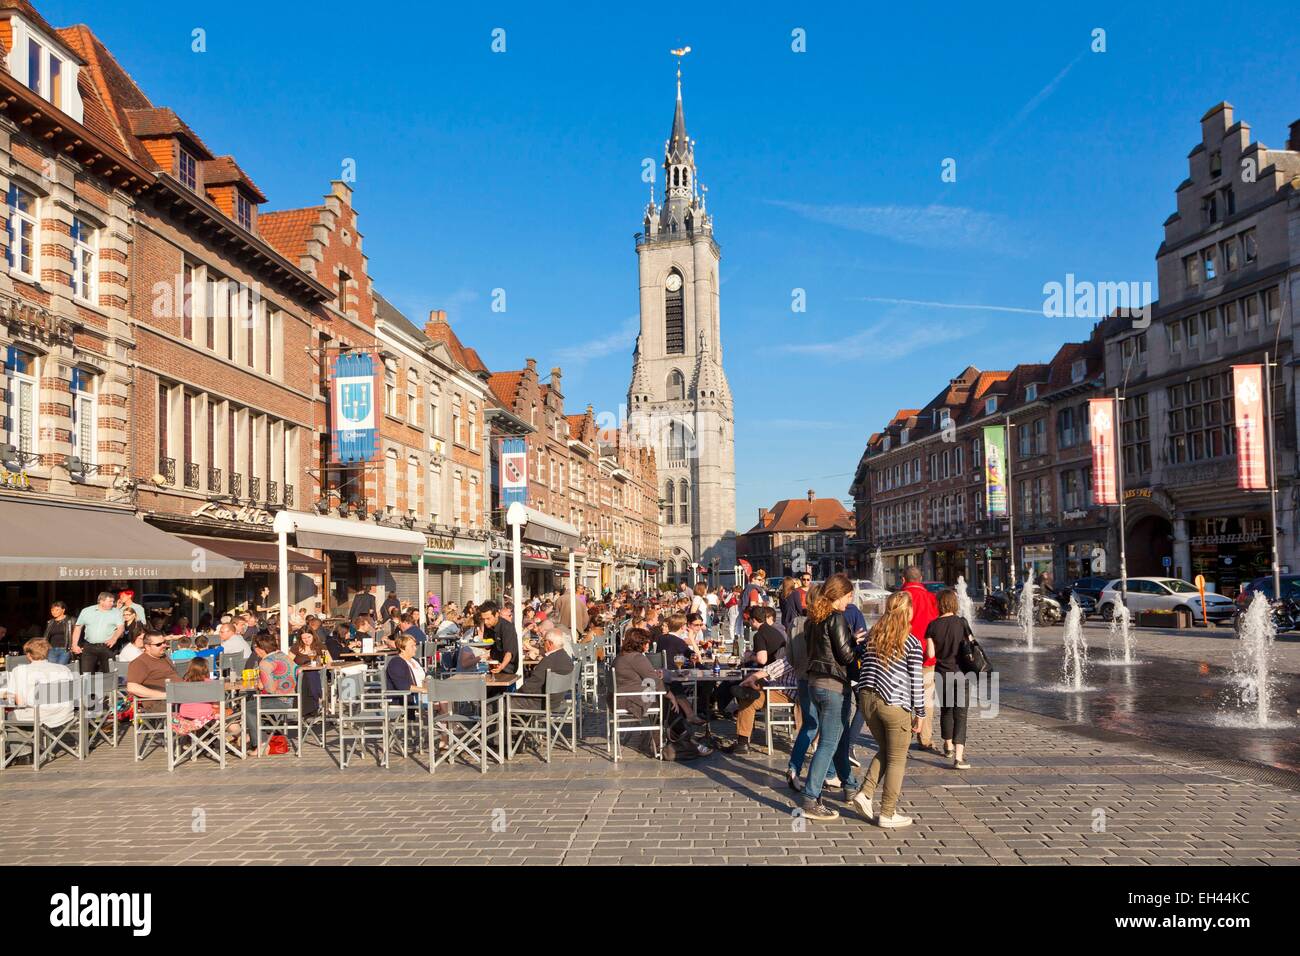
(353, 420)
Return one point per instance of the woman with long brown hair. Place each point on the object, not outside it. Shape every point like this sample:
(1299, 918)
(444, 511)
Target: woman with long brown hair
(891, 695)
(831, 656)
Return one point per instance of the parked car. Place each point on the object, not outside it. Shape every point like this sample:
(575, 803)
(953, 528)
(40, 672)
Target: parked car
(1089, 586)
(1165, 594)
(865, 591)
(1290, 588)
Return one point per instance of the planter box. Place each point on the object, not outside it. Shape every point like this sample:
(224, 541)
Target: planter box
(1163, 619)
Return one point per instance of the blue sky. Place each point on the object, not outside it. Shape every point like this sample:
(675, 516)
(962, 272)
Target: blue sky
(521, 171)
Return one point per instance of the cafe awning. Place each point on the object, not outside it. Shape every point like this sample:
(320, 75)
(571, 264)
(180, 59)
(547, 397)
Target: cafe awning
(454, 559)
(259, 557)
(54, 541)
(337, 534)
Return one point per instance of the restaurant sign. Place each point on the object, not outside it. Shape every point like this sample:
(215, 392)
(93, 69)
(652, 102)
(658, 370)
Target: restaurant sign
(383, 560)
(246, 515)
(17, 480)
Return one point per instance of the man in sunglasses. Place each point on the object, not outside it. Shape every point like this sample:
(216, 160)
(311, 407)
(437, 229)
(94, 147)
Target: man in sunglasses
(148, 674)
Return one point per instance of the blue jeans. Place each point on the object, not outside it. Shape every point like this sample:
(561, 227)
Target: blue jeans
(855, 727)
(807, 731)
(59, 655)
(834, 709)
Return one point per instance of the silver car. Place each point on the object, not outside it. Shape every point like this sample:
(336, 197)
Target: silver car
(1164, 594)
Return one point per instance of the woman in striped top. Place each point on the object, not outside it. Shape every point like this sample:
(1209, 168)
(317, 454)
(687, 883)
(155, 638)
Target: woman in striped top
(891, 695)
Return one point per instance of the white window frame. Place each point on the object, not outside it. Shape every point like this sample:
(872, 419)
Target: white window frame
(85, 256)
(15, 382)
(32, 220)
(990, 405)
(85, 416)
(181, 155)
(243, 211)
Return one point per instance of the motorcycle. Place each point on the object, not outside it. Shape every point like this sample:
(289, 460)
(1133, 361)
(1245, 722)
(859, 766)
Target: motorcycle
(1286, 615)
(1000, 606)
(996, 607)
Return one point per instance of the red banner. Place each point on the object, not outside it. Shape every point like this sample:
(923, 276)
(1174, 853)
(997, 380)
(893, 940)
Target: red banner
(1101, 425)
(1248, 398)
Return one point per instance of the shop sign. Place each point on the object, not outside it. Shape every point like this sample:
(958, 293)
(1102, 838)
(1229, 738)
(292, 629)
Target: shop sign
(1137, 493)
(382, 560)
(1249, 537)
(1071, 515)
(246, 515)
(15, 480)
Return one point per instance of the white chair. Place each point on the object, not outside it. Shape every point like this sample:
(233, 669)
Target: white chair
(618, 713)
(778, 714)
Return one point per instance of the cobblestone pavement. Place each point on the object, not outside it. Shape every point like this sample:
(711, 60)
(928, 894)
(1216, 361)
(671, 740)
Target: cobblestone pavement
(1038, 793)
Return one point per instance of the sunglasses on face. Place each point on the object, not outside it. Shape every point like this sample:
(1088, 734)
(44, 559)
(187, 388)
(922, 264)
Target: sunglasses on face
(157, 644)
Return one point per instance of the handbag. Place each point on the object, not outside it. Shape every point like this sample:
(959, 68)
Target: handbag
(971, 657)
(278, 744)
(743, 695)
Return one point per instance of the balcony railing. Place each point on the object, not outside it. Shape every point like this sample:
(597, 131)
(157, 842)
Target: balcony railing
(192, 475)
(273, 491)
(288, 496)
(255, 489)
(236, 485)
(167, 468)
(214, 480)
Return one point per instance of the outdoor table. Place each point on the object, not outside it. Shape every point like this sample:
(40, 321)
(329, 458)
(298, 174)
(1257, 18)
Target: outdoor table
(705, 675)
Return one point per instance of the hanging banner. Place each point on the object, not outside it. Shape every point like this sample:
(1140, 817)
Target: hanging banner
(354, 437)
(1101, 424)
(995, 469)
(1248, 398)
(514, 471)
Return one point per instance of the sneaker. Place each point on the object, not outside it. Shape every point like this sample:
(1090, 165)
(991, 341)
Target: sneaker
(894, 822)
(816, 810)
(960, 764)
(853, 761)
(792, 779)
(832, 781)
(862, 803)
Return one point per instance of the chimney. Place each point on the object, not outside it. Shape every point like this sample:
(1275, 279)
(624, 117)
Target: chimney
(531, 365)
(1293, 141)
(764, 517)
(811, 495)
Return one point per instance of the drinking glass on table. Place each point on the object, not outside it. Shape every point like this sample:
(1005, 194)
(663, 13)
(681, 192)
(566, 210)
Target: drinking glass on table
(679, 660)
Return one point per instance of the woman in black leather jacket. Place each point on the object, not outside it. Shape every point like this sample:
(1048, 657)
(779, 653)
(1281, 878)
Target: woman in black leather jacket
(831, 658)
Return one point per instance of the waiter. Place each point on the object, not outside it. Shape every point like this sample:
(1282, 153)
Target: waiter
(505, 639)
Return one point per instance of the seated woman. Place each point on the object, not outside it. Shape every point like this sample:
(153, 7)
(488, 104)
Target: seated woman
(633, 673)
(340, 642)
(307, 651)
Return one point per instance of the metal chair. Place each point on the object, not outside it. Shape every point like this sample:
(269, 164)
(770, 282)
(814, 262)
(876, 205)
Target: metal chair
(32, 735)
(589, 679)
(279, 713)
(147, 726)
(14, 660)
(99, 695)
(362, 717)
(658, 660)
(462, 694)
(182, 667)
(209, 739)
(231, 662)
(526, 717)
(773, 709)
(654, 701)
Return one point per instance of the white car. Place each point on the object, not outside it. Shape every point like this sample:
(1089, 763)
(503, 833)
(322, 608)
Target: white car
(1164, 594)
(865, 591)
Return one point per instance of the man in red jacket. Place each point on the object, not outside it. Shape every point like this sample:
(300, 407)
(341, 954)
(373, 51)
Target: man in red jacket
(924, 610)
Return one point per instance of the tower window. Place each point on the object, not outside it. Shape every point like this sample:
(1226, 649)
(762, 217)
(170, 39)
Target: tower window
(676, 386)
(675, 318)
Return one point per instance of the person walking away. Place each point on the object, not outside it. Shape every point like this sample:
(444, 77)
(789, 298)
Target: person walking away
(830, 655)
(924, 610)
(58, 632)
(891, 694)
(944, 637)
(96, 632)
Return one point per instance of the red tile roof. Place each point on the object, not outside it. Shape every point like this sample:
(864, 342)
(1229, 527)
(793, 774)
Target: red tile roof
(505, 386)
(791, 514)
(224, 170)
(289, 229)
(115, 91)
(163, 121)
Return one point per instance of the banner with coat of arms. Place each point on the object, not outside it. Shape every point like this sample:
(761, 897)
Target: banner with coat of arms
(354, 436)
(514, 471)
(1248, 401)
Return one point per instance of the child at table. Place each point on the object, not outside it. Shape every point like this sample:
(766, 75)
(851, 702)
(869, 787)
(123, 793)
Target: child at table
(190, 717)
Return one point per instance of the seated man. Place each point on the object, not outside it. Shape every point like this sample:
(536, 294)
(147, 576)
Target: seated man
(769, 648)
(148, 674)
(556, 661)
(673, 644)
(183, 650)
(410, 626)
(25, 678)
(232, 639)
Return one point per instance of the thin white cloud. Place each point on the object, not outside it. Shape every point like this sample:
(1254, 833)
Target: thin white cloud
(952, 305)
(884, 341)
(620, 340)
(933, 227)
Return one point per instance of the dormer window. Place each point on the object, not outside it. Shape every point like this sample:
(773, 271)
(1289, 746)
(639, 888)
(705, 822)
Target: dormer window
(1031, 393)
(1078, 370)
(244, 211)
(990, 405)
(902, 437)
(884, 445)
(188, 169)
(35, 61)
(811, 521)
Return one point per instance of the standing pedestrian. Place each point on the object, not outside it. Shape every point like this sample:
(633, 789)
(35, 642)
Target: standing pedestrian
(58, 631)
(945, 636)
(97, 630)
(830, 655)
(891, 695)
(924, 610)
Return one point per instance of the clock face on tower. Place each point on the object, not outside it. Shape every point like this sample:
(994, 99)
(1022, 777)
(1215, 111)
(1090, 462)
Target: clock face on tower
(674, 282)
